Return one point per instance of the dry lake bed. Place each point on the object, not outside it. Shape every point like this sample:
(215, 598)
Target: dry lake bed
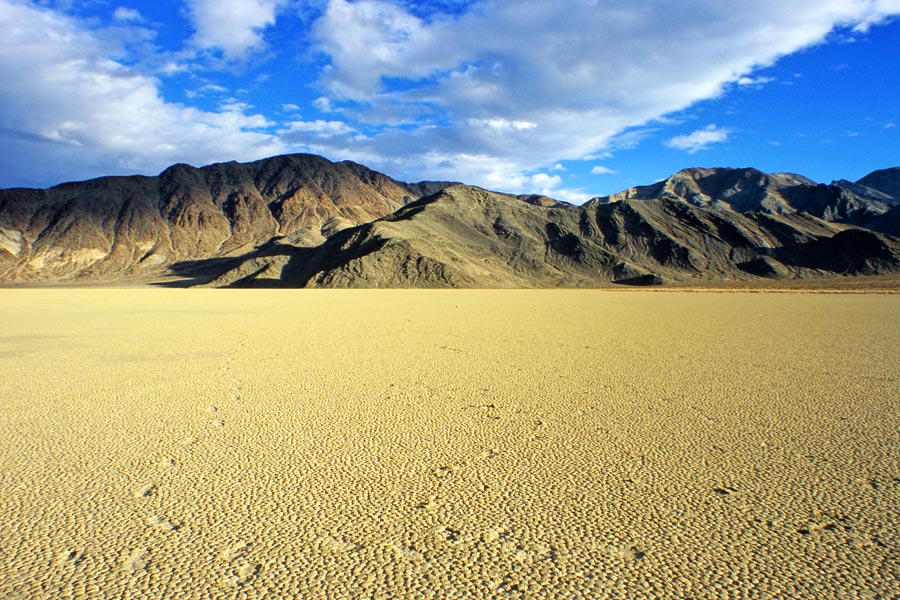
(448, 444)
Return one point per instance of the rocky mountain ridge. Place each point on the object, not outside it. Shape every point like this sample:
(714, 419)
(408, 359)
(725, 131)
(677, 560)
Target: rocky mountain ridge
(747, 190)
(469, 237)
(303, 221)
(115, 226)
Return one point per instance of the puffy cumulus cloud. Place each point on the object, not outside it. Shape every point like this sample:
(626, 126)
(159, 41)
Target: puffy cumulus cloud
(69, 108)
(699, 140)
(233, 27)
(369, 40)
(579, 76)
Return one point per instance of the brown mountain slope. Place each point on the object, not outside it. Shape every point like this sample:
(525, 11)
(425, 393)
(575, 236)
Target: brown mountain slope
(746, 190)
(301, 220)
(468, 237)
(115, 226)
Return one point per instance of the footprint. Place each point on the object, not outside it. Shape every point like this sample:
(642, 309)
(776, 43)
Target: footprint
(494, 534)
(814, 527)
(167, 463)
(70, 558)
(445, 471)
(522, 556)
(335, 545)
(136, 562)
(212, 410)
(162, 524)
(447, 534)
(144, 490)
(632, 553)
(242, 574)
(189, 441)
(489, 454)
(219, 423)
(402, 551)
(432, 504)
(234, 551)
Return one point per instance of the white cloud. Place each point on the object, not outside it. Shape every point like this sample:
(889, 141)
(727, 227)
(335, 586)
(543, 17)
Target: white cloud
(699, 140)
(371, 39)
(601, 170)
(491, 96)
(206, 89)
(544, 181)
(66, 104)
(125, 15)
(754, 81)
(290, 107)
(318, 128)
(322, 104)
(232, 26)
(499, 123)
(584, 73)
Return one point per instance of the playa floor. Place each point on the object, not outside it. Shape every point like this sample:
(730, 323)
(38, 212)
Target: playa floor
(448, 444)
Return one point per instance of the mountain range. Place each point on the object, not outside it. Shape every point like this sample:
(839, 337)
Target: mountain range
(303, 221)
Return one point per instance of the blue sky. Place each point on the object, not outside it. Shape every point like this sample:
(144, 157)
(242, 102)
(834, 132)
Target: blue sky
(572, 98)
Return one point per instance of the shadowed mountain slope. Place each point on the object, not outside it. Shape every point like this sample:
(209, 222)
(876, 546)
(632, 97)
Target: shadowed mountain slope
(116, 226)
(888, 222)
(886, 181)
(468, 237)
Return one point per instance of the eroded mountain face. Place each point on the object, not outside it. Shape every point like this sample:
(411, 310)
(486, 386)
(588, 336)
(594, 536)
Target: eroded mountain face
(117, 226)
(303, 221)
(468, 237)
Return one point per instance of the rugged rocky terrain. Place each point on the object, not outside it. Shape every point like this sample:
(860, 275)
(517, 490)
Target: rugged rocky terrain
(748, 190)
(119, 226)
(468, 237)
(301, 220)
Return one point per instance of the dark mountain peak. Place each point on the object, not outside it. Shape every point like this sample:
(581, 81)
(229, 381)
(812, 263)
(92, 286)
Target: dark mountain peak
(122, 226)
(886, 181)
(170, 172)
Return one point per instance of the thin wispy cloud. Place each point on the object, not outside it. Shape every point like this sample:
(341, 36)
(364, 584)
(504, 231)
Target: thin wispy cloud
(699, 140)
(601, 170)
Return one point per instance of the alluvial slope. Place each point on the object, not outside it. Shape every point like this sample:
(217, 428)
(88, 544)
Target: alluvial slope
(112, 226)
(745, 190)
(468, 237)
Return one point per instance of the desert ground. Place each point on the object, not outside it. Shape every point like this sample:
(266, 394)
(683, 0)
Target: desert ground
(448, 444)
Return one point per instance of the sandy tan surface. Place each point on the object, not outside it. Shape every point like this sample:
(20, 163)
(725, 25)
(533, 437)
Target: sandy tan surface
(417, 444)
